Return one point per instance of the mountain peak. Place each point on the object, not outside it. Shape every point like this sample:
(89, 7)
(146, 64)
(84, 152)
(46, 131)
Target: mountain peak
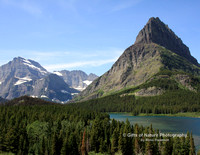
(154, 19)
(18, 58)
(155, 31)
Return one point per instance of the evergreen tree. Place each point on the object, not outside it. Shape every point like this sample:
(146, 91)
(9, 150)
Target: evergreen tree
(149, 148)
(192, 147)
(114, 143)
(136, 140)
(73, 147)
(120, 141)
(42, 146)
(176, 146)
(83, 146)
(53, 145)
(127, 141)
(187, 143)
(65, 149)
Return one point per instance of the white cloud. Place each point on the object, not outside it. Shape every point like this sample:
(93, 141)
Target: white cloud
(43, 55)
(79, 64)
(59, 60)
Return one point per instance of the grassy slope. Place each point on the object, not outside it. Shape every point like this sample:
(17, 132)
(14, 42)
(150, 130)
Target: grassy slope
(185, 114)
(177, 98)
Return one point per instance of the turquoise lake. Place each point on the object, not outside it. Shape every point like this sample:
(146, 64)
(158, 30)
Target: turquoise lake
(165, 124)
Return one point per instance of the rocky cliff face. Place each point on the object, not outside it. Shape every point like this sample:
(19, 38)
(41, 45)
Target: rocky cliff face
(54, 88)
(20, 68)
(155, 31)
(26, 77)
(15, 73)
(77, 79)
(153, 45)
(135, 66)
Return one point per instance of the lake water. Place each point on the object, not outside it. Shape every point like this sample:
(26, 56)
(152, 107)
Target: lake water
(165, 124)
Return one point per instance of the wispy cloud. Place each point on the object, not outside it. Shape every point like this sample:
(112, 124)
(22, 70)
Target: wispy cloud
(60, 60)
(95, 63)
(40, 56)
(75, 59)
(25, 5)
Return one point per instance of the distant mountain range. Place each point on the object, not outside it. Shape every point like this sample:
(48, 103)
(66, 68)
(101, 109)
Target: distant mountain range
(21, 77)
(76, 79)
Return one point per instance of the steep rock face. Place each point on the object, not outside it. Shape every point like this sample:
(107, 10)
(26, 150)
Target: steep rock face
(184, 80)
(135, 66)
(157, 32)
(154, 46)
(54, 88)
(77, 79)
(151, 91)
(92, 77)
(20, 67)
(17, 72)
(22, 77)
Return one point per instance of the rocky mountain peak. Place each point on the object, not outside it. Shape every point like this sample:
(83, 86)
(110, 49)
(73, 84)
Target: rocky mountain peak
(155, 31)
(156, 47)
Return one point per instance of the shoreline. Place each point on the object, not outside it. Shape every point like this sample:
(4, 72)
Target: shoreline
(186, 114)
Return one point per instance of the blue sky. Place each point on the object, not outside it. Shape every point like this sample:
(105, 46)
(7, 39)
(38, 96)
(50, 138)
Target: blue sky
(88, 35)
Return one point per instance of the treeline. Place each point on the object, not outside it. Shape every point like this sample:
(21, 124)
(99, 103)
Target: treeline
(170, 102)
(175, 99)
(66, 130)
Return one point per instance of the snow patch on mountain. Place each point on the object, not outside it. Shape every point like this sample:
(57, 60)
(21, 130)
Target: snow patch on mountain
(22, 80)
(74, 94)
(34, 96)
(44, 96)
(58, 73)
(28, 63)
(87, 82)
(65, 92)
(79, 88)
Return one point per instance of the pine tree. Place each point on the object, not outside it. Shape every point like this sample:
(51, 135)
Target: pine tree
(53, 145)
(64, 148)
(167, 148)
(149, 148)
(42, 146)
(120, 141)
(114, 142)
(73, 147)
(192, 147)
(187, 143)
(127, 147)
(176, 146)
(83, 146)
(136, 140)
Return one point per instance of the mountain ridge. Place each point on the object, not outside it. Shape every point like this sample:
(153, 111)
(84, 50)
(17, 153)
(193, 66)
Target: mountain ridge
(155, 31)
(146, 57)
(22, 76)
(77, 79)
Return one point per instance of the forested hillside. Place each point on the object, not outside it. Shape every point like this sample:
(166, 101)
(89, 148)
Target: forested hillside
(68, 130)
(167, 92)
